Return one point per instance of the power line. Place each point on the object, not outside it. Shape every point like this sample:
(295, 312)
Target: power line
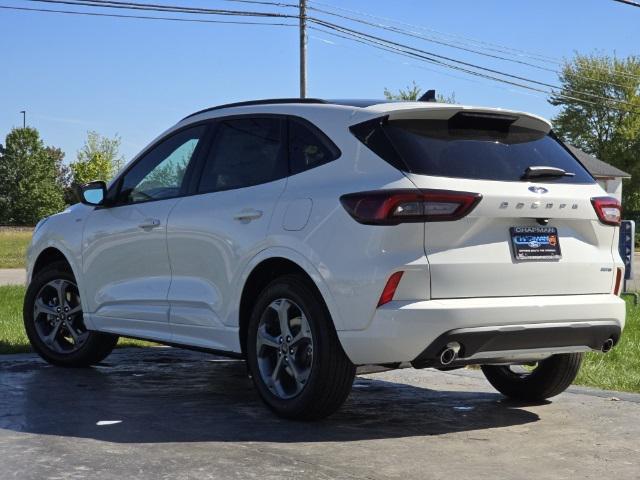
(448, 62)
(416, 56)
(405, 52)
(433, 56)
(628, 2)
(448, 44)
(165, 8)
(264, 2)
(144, 17)
(422, 37)
(464, 40)
(439, 69)
(478, 43)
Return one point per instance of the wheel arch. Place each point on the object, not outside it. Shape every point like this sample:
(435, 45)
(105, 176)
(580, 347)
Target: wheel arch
(54, 252)
(266, 268)
(48, 256)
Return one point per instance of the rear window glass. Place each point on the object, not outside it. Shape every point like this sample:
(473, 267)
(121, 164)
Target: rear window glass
(477, 149)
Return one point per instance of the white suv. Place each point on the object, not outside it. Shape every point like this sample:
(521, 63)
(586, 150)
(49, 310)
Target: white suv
(311, 237)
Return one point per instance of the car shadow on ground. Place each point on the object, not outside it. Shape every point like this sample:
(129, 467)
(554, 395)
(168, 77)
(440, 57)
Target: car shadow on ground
(172, 396)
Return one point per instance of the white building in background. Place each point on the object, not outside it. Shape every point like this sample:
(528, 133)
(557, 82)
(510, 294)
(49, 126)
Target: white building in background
(609, 177)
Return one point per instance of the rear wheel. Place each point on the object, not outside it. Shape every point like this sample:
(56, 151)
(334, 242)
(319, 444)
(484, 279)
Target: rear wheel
(54, 322)
(294, 356)
(540, 381)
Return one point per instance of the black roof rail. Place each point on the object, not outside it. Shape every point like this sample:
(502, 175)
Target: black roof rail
(268, 101)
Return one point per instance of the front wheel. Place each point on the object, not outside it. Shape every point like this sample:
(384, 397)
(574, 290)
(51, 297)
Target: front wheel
(54, 323)
(294, 355)
(540, 381)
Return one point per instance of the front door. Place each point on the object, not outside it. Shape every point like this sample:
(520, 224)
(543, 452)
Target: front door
(125, 263)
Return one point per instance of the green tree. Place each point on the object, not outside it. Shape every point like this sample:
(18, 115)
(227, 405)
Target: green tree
(63, 174)
(413, 93)
(31, 178)
(608, 129)
(98, 159)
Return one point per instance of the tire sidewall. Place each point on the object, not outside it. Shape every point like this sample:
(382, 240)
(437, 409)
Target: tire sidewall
(76, 358)
(552, 376)
(319, 323)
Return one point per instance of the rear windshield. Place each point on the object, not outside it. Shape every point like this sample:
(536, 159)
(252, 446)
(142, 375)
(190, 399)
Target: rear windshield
(474, 148)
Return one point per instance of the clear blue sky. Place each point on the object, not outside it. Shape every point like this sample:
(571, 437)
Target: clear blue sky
(136, 78)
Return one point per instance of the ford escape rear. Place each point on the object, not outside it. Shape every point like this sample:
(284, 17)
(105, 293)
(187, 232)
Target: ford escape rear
(311, 237)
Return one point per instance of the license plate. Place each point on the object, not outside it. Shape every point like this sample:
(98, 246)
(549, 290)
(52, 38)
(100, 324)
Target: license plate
(535, 243)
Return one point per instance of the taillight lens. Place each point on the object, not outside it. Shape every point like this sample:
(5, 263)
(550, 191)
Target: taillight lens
(390, 288)
(391, 207)
(608, 209)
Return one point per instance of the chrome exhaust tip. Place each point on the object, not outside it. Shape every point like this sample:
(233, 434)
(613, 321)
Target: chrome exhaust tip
(450, 353)
(607, 345)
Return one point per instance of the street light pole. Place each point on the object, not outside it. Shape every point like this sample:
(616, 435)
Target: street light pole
(24, 118)
(303, 48)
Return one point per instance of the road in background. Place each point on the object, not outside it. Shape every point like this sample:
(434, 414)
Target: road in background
(13, 276)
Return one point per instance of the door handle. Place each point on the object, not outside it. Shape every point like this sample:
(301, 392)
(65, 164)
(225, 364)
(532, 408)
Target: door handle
(247, 215)
(149, 223)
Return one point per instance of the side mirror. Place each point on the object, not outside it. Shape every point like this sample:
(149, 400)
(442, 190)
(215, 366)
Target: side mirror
(92, 193)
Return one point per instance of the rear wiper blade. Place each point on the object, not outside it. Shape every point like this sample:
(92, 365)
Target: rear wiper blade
(543, 171)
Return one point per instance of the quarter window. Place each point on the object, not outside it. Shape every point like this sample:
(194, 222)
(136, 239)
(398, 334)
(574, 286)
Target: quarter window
(245, 151)
(307, 148)
(160, 172)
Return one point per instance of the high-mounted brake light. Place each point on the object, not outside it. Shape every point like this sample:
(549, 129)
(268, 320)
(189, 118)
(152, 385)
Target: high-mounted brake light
(392, 207)
(608, 209)
(390, 288)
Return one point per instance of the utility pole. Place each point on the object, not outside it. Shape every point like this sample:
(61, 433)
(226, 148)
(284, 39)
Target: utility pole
(303, 48)
(24, 118)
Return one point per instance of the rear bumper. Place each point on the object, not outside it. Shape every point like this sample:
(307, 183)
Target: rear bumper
(496, 328)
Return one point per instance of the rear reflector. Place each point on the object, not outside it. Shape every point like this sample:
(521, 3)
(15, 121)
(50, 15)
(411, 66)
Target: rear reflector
(390, 288)
(608, 209)
(618, 286)
(392, 207)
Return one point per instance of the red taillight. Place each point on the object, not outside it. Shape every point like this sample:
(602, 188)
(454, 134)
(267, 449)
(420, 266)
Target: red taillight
(390, 288)
(619, 273)
(391, 207)
(608, 209)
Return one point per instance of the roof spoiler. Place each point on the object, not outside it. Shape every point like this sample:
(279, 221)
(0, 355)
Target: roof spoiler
(413, 111)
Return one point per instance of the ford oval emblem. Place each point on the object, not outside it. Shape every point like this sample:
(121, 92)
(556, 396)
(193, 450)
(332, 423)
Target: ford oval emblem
(538, 189)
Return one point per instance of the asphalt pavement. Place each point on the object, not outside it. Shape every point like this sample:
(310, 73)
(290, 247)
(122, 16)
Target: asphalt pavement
(161, 413)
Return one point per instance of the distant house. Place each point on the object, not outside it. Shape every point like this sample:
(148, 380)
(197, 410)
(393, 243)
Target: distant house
(609, 177)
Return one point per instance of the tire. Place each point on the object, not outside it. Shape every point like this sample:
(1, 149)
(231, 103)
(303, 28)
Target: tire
(324, 373)
(60, 346)
(551, 377)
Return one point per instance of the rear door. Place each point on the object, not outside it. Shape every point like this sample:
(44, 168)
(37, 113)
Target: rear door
(215, 232)
(527, 236)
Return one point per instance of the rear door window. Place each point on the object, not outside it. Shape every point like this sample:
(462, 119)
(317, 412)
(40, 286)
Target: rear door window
(245, 151)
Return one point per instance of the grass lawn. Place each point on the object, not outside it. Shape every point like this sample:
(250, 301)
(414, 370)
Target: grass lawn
(620, 368)
(13, 247)
(12, 336)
